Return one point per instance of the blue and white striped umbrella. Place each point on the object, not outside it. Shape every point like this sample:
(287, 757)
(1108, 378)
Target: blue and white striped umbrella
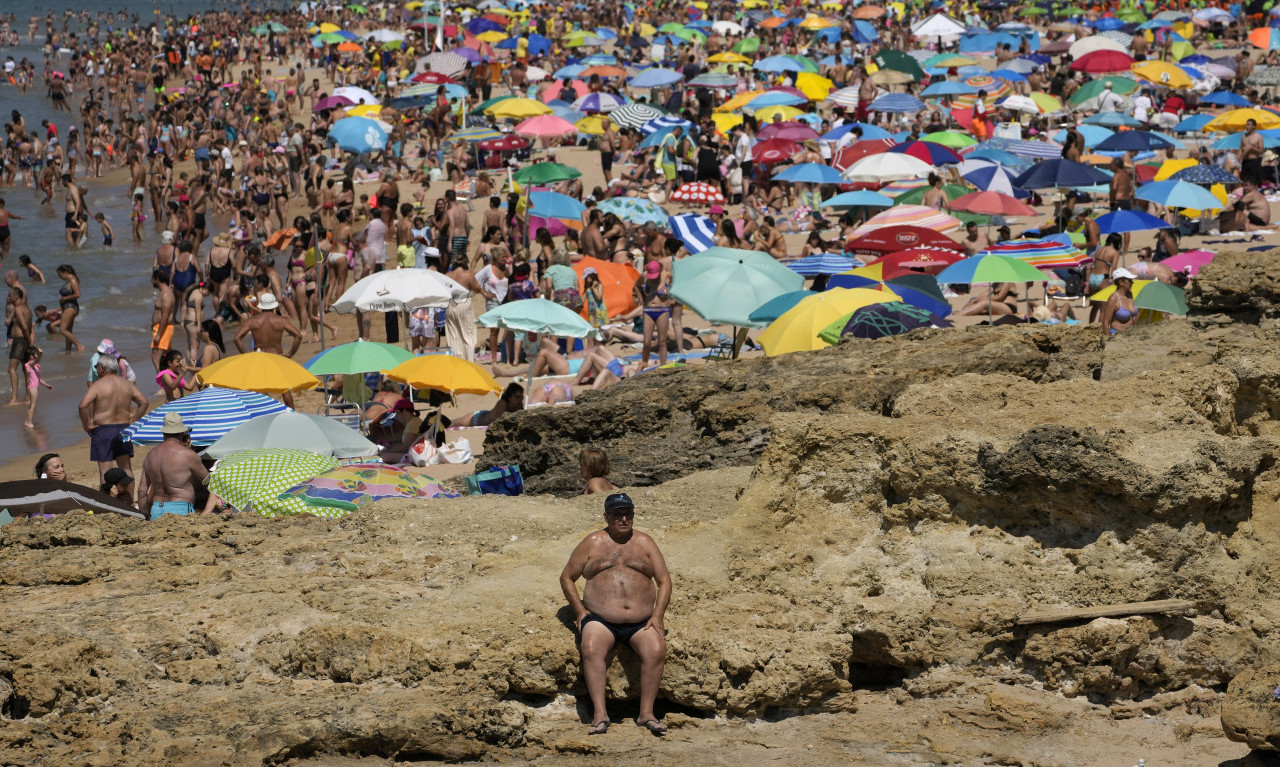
(209, 413)
(666, 123)
(634, 115)
(598, 103)
(990, 177)
(845, 97)
(822, 263)
(696, 232)
(897, 102)
(475, 135)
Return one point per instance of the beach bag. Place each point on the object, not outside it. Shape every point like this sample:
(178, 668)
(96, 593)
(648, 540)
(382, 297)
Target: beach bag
(569, 298)
(423, 452)
(456, 452)
(499, 480)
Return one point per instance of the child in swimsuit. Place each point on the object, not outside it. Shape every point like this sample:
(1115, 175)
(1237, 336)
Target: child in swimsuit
(31, 366)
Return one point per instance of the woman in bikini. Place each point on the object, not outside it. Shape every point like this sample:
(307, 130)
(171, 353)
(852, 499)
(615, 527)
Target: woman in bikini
(997, 300)
(727, 236)
(340, 258)
(213, 347)
(1119, 312)
(69, 303)
(593, 467)
(512, 399)
(653, 294)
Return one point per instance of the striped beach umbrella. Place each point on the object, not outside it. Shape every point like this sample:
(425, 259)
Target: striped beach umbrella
(897, 102)
(209, 413)
(909, 215)
(698, 233)
(822, 263)
(1048, 253)
(996, 89)
(634, 115)
(598, 103)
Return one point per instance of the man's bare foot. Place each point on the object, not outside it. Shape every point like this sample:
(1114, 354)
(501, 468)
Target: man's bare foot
(29, 425)
(12, 402)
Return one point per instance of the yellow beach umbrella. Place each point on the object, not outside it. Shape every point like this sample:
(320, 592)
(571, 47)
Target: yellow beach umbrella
(446, 373)
(365, 110)
(1048, 104)
(728, 58)
(781, 111)
(797, 330)
(739, 101)
(258, 371)
(726, 121)
(814, 86)
(754, 4)
(1171, 167)
(832, 5)
(415, 5)
(591, 124)
(492, 36)
(329, 27)
(1234, 120)
(518, 108)
(1162, 73)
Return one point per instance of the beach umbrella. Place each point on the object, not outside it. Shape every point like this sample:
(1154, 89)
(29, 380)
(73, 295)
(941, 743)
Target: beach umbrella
(774, 99)
(791, 131)
(1205, 175)
(333, 102)
(537, 315)
(1054, 252)
(546, 204)
(546, 126)
(947, 88)
(822, 263)
(698, 192)
(358, 135)
(294, 431)
(50, 496)
(1130, 221)
(991, 177)
(655, 77)
(259, 371)
(598, 103)
(984, 270)
(933, 154)
(1091, 134)
(1266, 38)
(443, 372)
(843, 97)
(714, 80)
(359, 356)
(448, 62)
(209, 413)
(896, 102)
(618, 280)
(887, 167)
(634, 210)
(1236, 119)
(1232, 141)
(1112, 120)
(1103, 61)
(356, 95)
(724, 285)
(776, 307)
(859, 198)
(929, 299)
(634, 114)
(506, 143)
(400, 290)
(797, 329)
(697, 232)
(919, 258)
(992, 204)
(1178, 194)
(543, 173)
(1133, 141)
(917, 216)
(774, 150)
(1060, 173)
(809, 172)
(892, 239)
(349, 487)
(517, 108)
(1163, 297)
(881, 320)
(254, 479)
(666, 123)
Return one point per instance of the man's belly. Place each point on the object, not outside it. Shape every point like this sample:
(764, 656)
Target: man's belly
(620, 595)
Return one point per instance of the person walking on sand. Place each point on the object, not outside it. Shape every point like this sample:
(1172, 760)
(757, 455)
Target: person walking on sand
(624, 600)
(22, 327)
(170, 472)
(106, 410)
(459, 315)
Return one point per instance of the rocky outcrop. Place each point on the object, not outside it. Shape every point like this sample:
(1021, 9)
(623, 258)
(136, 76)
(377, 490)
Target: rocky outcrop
(1238, 285)
(666, 424)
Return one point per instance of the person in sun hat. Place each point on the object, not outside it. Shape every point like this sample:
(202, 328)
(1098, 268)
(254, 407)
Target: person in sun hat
(171, 472)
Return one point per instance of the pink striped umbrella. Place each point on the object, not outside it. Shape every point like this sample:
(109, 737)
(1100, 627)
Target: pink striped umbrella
(909, 215)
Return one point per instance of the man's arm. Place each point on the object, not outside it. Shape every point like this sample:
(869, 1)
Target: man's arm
(245, 329)
(569, 580)
(663, 578)
(145, 491)
(140, 400)
(86, 410)
(297, 337)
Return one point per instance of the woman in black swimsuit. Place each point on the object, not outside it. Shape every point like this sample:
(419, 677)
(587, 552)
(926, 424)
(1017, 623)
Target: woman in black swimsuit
(69, 302)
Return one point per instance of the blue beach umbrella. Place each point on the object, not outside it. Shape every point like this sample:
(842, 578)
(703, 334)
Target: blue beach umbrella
(775, 99)
(869, 132)
(1193, 123)
(1121, 221)
(823, 263)
(1205, 175)
(948, 88)
(547, 204)
(1226, 99)
(1055, 173)
(1178, 194)
(656, 77)
(1092, 134)
(863, 197)
(569, 71)
(1112, 120)
(897, 102)
(776, 307)
(907, 293)
(810, 172)
(777, 64)
(1134, 140)
(209, 413)
(358, 135)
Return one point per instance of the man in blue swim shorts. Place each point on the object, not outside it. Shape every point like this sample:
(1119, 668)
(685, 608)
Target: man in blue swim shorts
(624, 601)
(170, 472)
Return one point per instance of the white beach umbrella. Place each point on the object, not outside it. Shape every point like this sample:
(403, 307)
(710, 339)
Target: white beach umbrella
(1018, 103)
(358, 95)
(887, 166)
(400, 290)
(1095, 43)
(937, 25)
(845, 97)
(450, 64)
(727, 27)
(385, 35)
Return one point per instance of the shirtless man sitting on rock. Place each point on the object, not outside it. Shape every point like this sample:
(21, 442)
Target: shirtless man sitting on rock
(619, 604)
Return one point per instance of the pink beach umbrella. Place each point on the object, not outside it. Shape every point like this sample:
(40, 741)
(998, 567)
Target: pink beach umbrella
(1190, 262)
(546, 126)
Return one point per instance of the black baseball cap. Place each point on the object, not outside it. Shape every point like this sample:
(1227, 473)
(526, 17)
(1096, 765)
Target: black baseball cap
(617, 501)
(115, 476)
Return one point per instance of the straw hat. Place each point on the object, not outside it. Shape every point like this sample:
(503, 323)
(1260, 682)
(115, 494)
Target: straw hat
(222, 240)
(173, 425)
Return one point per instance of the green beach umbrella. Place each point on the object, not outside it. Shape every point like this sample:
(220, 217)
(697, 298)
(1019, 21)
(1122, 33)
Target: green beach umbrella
(1119, 84)
(479, 110)
(357, 357)
(670, 26)
(254, 479)
(747, 45)
(635, 210)
(329, 38)
(1161, 297)
(1132, 15)
(1032, 11)
(357, 8)
(950, 138)
(900, 62)
(545, 173)
(690, 35)
(985, 270)
(537, 315)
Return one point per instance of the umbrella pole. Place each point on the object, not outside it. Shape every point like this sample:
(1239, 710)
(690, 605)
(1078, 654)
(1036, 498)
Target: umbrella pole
(528, 381)
(739, 338)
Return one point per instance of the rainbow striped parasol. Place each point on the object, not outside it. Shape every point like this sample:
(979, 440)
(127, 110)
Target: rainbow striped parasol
(1048, 253)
